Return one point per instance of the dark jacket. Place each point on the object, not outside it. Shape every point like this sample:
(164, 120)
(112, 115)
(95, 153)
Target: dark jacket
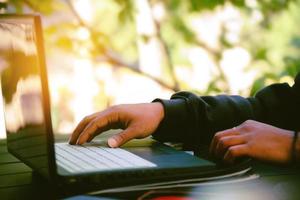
(193, 120)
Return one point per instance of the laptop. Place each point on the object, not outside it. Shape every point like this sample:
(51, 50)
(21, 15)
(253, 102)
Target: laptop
(31, 139)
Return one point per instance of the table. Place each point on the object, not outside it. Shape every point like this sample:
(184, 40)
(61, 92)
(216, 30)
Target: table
(18, 181)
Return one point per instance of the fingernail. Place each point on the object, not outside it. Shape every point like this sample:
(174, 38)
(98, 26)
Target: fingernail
(70, 141)
(112, 142)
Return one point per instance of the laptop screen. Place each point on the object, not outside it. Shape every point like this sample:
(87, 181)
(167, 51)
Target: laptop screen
(22, 92)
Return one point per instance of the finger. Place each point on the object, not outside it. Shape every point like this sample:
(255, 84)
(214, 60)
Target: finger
(219, 135)
(122, 137)
(103, 122)
(226, 142)
(97, 126)
(81, 126)
(236, 151)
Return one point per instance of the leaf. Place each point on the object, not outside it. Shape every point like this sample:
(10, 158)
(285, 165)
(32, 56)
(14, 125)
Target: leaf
(182, 28)
(260, 82)
(3, 5)
(292, 66)
(238, 3)
(126, 11)
(45, 6)
(257, 85)
(17, 4)
(65, 43)
(197, 5)
(260, 53)
(174, 4)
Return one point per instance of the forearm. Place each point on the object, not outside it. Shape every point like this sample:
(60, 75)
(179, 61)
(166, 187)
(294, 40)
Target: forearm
(194, 120)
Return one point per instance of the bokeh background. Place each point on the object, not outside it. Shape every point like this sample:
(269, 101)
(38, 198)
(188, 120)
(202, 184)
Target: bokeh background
(106, 52)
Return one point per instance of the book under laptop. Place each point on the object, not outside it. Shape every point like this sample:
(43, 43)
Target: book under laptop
(29, 130)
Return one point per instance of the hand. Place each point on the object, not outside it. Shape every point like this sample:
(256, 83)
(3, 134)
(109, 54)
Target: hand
(254, 139)
(136, 120)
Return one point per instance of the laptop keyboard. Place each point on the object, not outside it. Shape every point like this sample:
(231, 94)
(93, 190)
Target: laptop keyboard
(75, 158)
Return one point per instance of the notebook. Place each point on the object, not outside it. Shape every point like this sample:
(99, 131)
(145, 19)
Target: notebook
(30, 135)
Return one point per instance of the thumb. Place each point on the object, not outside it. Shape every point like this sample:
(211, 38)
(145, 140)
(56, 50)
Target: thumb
(121, 138)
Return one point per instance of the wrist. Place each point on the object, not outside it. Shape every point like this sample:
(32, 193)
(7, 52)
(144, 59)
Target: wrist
(159, 110)
(294, 148)
(297, 149)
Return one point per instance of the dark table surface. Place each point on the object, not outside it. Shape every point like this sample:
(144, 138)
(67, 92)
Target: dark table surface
(17, 181)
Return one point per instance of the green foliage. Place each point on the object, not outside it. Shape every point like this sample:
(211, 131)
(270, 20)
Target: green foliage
(46, 6)
(199, 5)
(262, 81)
(277, 44)
(274, 42)
(3, 5)
(196, 5)
(126, 11)
(56, 35)
(185, 33)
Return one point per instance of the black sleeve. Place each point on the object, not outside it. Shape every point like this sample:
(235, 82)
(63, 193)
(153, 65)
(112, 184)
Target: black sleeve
(193, 120)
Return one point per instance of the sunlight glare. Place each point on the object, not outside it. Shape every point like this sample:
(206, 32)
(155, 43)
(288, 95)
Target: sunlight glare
(158, 11)
(202, 70)
(233, 63)
(84, 8)
(144, 23)
(83, 33)
(84, 88)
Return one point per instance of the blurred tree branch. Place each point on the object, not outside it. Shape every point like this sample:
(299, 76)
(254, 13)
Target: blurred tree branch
(112, 56)
(102, 48)
(108, 54)
(190, 37)
(167, 54)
